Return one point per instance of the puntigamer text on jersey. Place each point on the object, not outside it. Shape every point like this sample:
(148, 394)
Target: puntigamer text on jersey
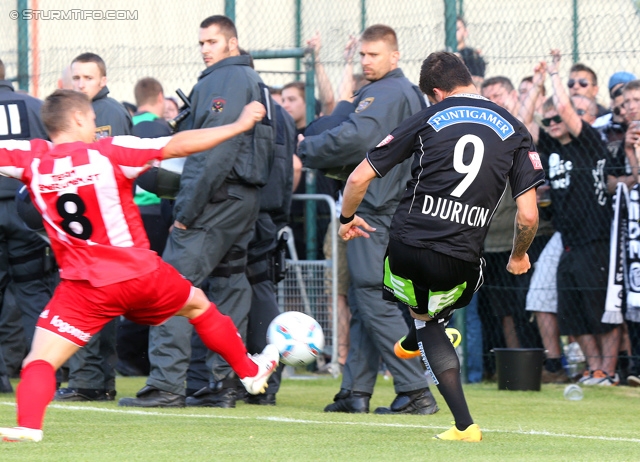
(461, 114)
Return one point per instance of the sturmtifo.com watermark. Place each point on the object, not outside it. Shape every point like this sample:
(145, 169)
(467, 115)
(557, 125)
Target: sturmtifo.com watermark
(75, 15)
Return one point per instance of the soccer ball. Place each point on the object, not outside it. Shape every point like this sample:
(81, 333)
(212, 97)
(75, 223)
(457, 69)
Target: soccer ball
(297, 336)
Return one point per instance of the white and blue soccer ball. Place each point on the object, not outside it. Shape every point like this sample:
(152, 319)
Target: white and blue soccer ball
(297, 336)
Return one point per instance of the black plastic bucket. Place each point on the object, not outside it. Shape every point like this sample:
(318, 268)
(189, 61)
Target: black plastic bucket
(519, 368)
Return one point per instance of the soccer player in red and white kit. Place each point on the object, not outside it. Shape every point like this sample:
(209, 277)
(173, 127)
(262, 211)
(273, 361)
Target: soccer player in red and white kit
(83, 190)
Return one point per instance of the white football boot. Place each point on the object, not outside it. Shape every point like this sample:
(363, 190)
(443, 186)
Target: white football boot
(267, 362)
(20, 434)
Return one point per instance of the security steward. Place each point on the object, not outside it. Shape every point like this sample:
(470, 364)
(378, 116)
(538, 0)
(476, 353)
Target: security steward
(27, 266)
(215, 210)
(266, 267)
(380, 106)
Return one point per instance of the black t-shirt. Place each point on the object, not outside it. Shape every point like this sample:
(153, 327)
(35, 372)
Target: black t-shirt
(579, 200)
(464, 149)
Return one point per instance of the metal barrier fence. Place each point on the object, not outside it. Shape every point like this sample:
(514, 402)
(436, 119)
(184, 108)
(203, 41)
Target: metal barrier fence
(311, 286)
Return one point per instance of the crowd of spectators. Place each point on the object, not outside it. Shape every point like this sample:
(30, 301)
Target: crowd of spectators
(564, 305)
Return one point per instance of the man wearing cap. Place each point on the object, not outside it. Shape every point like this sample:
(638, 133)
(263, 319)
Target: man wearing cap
(613, 126)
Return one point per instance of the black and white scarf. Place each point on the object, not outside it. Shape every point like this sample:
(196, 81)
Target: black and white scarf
(624, 258)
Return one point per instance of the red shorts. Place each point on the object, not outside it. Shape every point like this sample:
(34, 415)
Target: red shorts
(78, 310)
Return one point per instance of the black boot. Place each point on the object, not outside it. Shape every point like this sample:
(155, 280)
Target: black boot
(84, 394)
(219, 394)
(150, 396)
(350, 402)
(412, 402)
(264, 399)
(5, 384)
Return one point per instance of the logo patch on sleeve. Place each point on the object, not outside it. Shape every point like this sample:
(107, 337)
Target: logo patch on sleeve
(218, 105)
(365, 103)
(387, 140)
(535, 160)
(103, 132)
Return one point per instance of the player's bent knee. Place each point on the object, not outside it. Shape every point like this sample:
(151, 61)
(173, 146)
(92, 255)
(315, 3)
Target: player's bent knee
(440, 353)
(197, 304)
(50, 347)
(444, 363)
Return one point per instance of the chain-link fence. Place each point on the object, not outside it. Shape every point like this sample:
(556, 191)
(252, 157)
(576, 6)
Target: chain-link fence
(160, 39)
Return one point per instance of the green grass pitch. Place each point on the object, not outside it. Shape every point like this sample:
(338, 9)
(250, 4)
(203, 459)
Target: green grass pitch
(517, 426)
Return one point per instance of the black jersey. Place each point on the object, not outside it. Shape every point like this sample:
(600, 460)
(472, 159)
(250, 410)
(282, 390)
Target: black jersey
(579, 199)
(464, 149)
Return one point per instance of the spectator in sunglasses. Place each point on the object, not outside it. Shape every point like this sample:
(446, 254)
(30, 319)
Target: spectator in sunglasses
(576, 159)
(616, 84)
(541, 297)
(584, 81)
(618, 111)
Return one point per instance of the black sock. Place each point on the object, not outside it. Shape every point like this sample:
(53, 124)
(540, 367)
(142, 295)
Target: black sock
(553, 364)
(450, 387)
(410, 343)
(623, 361)
(445, 365)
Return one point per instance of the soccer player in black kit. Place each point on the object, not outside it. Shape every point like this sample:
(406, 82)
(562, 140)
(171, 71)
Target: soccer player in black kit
(464, 149)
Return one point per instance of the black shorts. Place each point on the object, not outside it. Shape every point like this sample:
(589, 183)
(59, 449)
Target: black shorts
(436, 284)
(582, 289)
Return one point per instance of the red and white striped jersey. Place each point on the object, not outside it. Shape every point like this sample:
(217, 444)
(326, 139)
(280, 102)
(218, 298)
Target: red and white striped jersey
(85, 195)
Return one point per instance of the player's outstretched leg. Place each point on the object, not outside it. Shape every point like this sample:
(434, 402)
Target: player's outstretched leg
(407, 346)
(441, 361)
(219, 334)
(37, 385)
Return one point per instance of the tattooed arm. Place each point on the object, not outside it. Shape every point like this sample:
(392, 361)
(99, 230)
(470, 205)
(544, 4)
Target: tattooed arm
(526, 225)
